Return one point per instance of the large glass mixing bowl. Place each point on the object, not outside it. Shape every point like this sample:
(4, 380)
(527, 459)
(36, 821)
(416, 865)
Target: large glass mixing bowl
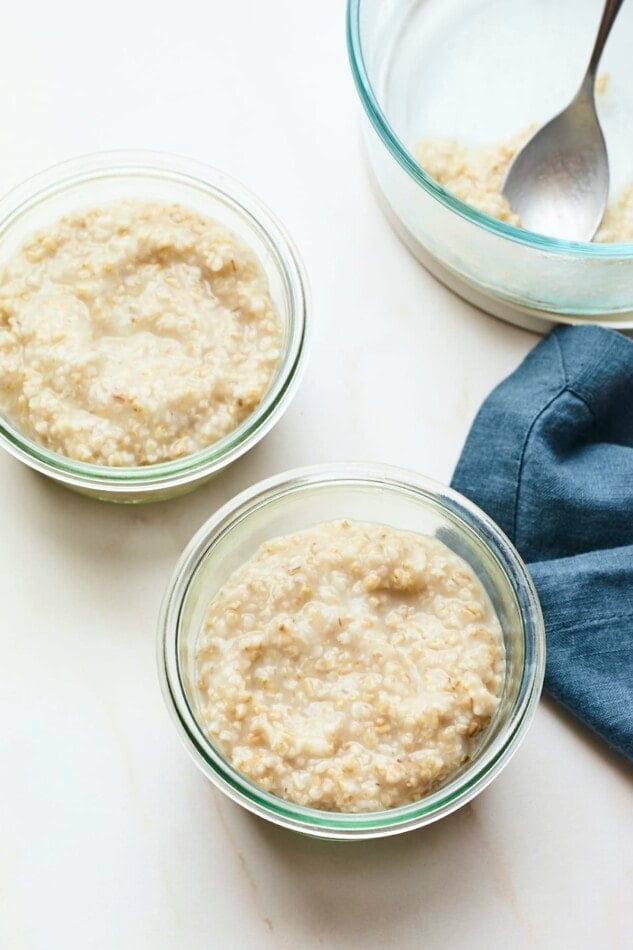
(480, 71)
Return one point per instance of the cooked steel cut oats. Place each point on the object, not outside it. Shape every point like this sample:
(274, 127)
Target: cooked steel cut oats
(476, 175)
(134, 333)
(473, 174)
(349, 667)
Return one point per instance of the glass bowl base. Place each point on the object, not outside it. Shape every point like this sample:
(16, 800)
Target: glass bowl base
(521, 315)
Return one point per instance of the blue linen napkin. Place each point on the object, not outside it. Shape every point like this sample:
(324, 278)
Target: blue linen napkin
(550, 458)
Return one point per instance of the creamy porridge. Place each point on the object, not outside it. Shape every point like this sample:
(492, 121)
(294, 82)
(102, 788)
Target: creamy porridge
(471, 173)
(134, 333)
(349, 667)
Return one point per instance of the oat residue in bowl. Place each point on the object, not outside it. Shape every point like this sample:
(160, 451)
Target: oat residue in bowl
(475, 174)
(349, 667)
(134, 333)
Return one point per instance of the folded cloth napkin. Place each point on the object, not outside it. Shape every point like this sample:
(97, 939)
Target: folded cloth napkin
(550, 458)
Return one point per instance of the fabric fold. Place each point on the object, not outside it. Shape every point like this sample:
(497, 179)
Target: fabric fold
(550, 458)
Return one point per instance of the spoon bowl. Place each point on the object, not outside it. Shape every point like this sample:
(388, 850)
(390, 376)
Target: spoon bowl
(558, 183)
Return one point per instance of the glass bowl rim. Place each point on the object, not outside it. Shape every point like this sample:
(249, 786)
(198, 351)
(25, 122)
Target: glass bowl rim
(143, 163)
(342, 825)
(380, 123)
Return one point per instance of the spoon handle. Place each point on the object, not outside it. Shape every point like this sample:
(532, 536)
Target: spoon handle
(610, 12)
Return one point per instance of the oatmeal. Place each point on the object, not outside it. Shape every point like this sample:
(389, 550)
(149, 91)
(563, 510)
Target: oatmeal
(617, 224)
(476, 175)
(349, 667)
(473, 174)
(134, 333)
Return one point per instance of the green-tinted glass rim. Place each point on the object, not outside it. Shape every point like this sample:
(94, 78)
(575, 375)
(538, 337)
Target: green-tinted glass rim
(336, 824)
(378, 119)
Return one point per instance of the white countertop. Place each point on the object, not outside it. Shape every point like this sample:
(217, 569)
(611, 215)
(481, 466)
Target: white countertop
(109, 835)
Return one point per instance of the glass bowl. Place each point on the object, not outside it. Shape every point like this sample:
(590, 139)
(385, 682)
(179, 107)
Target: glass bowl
(111, 176)
(480, 71)
(291, 502)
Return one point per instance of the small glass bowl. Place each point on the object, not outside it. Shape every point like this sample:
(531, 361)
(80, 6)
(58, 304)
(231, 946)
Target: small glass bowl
(482, 71)
(110, 176)
(291, 502)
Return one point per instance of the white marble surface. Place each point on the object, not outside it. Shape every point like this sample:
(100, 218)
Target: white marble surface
(109, 836)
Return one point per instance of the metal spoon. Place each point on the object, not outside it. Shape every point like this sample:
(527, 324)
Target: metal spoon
(559, 182)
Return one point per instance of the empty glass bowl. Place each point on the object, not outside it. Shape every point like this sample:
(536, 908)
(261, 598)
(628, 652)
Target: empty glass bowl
(296, 500)
(479, 71)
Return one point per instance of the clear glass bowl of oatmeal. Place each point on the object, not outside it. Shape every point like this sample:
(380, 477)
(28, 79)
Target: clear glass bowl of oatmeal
(450, 89)
(152, 323)
(388, 504)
